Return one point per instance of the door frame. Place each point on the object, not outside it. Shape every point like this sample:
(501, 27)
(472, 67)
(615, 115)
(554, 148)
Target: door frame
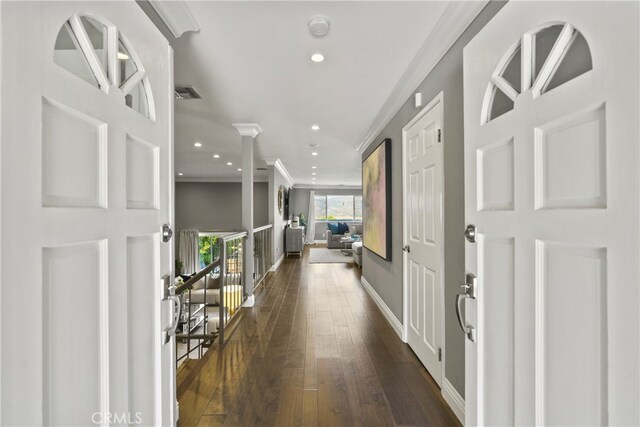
(438, 100)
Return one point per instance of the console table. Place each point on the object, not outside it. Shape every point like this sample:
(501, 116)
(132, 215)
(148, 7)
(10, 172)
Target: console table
(294, 240)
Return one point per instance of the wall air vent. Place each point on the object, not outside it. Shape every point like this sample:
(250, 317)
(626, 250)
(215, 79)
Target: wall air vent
(262, 169)
(184, 93)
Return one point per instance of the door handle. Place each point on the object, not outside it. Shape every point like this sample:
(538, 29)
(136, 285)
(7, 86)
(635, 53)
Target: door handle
(469, 289)
(167, 233)
(170, 330)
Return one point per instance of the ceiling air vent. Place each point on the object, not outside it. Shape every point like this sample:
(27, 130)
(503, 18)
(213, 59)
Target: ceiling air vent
(187, 92)
(262, 169)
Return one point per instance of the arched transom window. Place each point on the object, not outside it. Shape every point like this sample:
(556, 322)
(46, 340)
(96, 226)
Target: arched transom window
(97, 53)
(540, 61)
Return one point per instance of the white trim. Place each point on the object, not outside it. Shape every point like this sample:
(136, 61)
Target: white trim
(320, 241)
(275, 266)
(386, 311)
(326, 187)
(277, 163)
(176, 15)
(250, 301)
(452, 23)
(1, 149)
(436, 102)
(248, 129)
(453, 398)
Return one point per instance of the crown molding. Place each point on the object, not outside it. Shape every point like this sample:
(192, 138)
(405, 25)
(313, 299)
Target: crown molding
(454, 21)
(176, 15)
(277, 163)
(220, 180)
(326, 187)
(248, 129)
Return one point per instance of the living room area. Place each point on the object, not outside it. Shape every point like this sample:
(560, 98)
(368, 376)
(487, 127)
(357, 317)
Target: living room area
(332, 218)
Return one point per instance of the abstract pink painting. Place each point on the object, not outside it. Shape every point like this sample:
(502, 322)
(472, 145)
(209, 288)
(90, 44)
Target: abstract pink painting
(376, 195)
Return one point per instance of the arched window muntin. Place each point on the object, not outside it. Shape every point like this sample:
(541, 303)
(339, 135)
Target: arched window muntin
(93, 49)
(538, 70)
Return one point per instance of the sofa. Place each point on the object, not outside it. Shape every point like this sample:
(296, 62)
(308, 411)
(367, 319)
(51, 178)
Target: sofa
(333, 240)
(357, 253)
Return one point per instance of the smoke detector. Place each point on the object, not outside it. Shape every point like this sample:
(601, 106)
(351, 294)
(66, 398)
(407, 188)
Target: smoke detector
(319, 26)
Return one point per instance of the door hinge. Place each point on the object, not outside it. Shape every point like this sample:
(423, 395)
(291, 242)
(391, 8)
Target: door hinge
(439, 135)
(439, 355)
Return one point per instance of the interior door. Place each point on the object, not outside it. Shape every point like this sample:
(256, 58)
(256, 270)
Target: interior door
(423, 260)
(86, 168)
(552, 184)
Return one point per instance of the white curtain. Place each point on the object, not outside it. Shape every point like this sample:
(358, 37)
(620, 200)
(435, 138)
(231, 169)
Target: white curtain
(311, 222)
(189, 252)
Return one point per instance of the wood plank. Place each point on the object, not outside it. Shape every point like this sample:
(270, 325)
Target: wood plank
(333, 402)
(211, 421)
(310, 408)
(291, 403)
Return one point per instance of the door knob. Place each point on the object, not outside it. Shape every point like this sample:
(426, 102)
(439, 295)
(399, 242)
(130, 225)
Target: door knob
(470, 233)
(406, 248)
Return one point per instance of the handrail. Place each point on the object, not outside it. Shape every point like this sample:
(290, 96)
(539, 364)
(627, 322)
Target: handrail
(264, 227)
(199, 275)
(233, 236)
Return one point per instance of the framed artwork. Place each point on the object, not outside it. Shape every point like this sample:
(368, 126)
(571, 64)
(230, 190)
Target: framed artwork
(376, 196)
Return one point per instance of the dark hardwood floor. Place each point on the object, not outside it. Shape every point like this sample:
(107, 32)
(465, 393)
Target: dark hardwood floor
(314, 351)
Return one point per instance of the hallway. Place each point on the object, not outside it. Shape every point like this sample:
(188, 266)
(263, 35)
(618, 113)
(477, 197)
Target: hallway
(315, 350)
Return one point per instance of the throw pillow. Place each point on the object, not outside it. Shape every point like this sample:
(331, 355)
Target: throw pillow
(333, 227)
(343, 228)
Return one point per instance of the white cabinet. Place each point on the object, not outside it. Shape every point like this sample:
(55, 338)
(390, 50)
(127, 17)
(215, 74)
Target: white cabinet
(294, 240)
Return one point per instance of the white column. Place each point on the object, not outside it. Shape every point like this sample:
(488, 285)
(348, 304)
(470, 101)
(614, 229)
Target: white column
(248, 132)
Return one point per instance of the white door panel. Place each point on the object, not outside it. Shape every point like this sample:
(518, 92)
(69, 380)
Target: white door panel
(552, 185)
(423, 233)
(86, 188)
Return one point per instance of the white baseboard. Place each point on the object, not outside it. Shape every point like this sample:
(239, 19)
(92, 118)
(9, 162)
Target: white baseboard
(386, 311)
(250, 301)
(275, 266)
(453, 398)
(320, 241)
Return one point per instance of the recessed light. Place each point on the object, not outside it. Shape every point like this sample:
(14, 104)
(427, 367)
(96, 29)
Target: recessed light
(314, 167)
(216, 156)
(317, 57)
(122, 56)
(197, 144)
(315, 127)
(313, 173)
(315, 153)
(229, 164)
(180, 173)
(239, 169)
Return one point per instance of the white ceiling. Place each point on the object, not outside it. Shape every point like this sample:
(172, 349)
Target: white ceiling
(250, 62)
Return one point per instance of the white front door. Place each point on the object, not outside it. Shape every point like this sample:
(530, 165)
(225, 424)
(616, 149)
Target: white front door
(423, 235)
(552, 184)
(86, 180)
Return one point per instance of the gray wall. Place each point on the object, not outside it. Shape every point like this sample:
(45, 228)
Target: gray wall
(299, 203)
(210, 206)
(386, 277)
(276, 218)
